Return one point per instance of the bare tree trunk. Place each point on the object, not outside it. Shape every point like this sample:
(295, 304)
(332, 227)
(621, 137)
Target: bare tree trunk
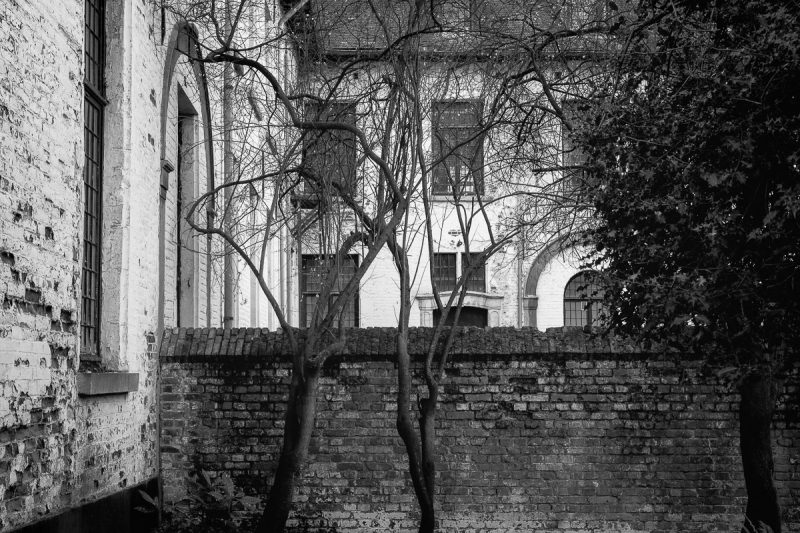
(405, 428)
(759, 392)
(428, 434)
(300, 417)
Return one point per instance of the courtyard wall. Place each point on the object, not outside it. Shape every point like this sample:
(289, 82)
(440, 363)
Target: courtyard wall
(550, 432)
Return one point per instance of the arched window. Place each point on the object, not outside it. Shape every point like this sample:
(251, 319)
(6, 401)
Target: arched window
(583, 298)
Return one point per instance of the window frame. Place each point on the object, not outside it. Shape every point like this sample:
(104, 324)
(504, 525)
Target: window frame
(441, 272)
(442, 183)
(589, 302)
(578, 13)
(571, 155)
(445, 284)
(343, 111)
(341, 281)
(94, 99)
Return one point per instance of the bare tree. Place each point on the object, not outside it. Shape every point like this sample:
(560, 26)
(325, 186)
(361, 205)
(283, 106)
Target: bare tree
(404, 119)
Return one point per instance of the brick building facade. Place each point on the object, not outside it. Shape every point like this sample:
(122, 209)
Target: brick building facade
(102, 128)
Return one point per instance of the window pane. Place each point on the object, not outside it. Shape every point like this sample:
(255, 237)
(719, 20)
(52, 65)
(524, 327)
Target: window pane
(92, 194)
(583, 297)
(444, 271)
(94, 43)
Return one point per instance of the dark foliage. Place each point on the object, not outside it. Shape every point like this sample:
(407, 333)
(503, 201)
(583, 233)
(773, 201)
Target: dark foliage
(696, 179)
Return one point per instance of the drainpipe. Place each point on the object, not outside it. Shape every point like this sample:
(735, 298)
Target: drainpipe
(229, 278)
(520, 259)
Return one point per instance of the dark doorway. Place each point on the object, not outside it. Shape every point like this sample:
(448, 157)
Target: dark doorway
(470, 316)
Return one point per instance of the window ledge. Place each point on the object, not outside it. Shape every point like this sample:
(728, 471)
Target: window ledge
(465, 198)
(444, 295)
(102, 383)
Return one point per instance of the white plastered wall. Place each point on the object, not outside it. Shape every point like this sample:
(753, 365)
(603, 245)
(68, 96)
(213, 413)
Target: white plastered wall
(550, 288)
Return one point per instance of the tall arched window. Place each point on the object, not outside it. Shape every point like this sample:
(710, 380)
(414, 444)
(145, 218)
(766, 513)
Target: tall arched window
(583, 298)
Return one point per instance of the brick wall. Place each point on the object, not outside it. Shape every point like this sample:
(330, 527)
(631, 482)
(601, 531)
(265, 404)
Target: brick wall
(59, 450)
(536, 432)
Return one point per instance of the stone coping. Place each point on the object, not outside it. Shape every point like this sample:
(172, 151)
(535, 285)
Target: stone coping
(379, 343)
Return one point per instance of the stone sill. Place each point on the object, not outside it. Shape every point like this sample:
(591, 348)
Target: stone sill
(101, 383)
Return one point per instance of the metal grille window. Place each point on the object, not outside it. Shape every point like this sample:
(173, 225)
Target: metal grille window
(583, 298)
(314, 273)
(444, 271)
(458, 148)
(94, 58)
(476, 281)
(331, 154)
(94, 38)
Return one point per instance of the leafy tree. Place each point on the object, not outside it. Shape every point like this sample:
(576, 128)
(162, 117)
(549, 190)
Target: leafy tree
(694, 152)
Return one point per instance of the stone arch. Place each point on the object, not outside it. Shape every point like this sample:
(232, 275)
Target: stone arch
(542, 259)
(182, 43)
(530, 300)
(555, 252)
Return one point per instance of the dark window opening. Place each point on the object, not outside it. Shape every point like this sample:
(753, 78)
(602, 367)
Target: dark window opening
(458, 148)
(477, 279)
(330, 155)
(94, 66)
(179, 228)
(313, 275)
(573, 158)
(583, 300)
(186, 256)
(470, 316)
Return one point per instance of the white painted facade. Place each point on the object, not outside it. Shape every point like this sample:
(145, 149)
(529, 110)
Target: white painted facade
(507, 271)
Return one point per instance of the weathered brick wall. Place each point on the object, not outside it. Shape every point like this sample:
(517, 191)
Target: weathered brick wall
(536, 432)
(59, 450)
